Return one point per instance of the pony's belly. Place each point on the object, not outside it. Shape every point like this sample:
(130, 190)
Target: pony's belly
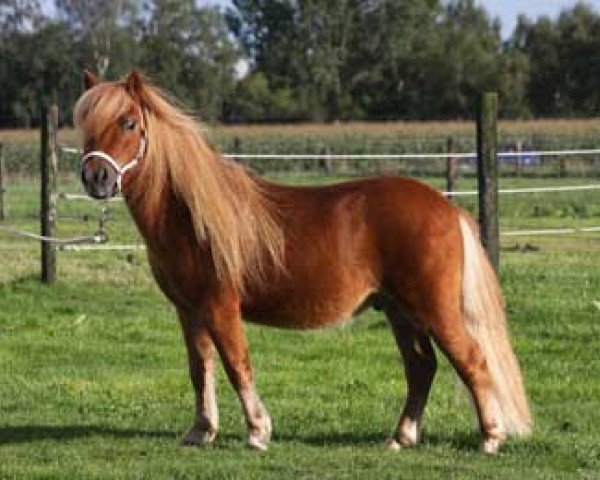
(307, 313)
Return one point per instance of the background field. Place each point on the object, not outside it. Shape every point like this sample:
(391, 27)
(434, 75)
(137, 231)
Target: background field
(21, 147)
(93, 374)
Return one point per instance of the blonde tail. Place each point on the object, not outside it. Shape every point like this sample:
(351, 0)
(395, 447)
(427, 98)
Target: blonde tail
(484, 312)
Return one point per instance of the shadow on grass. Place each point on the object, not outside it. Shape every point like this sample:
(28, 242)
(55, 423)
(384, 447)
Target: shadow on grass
(24, 280)
(31, 433)
(461, 442)
(468, 441)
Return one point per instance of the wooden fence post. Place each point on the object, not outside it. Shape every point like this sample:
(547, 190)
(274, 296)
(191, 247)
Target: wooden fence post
(237, 148)
(487, 175)
(451, 166)
(327, 163)
(49, 167)
(562, 167)
(519, 159)
(2, 184)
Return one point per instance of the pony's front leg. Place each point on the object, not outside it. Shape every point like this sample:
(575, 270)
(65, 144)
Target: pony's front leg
(201, 357)
(228, 334)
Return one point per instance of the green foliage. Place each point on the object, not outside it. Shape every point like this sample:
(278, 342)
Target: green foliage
(185, 48)
(254, 99)
(39, 64)
(565, 61)
(365, 59)
(312, 60)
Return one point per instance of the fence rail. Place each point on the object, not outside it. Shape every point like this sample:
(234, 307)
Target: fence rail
(507, 233)
(391, 156)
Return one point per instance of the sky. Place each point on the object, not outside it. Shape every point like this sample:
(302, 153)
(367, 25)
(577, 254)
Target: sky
(506, 10)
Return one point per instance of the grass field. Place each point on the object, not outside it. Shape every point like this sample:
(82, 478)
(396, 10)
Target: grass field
(21, 147)
(549, 127)
(93, 373)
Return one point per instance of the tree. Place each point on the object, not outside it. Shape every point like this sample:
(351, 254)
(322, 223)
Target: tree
(98, 24)
(564, 57)
(513, 82)
(373, 58)
(187, 50)
(578, 47)
(301, 47)
(393, 47)
(40, 63)
(20, 16)
(539, 42)
(254, 100)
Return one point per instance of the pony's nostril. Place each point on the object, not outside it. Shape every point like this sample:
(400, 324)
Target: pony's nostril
(100, 175)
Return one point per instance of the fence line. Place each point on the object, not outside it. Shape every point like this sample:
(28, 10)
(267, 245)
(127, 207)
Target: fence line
(550, 231)
(459, 193)
(487, 165)
(391, 156)
(80, 196)
(512, 191)
(510, 233)
(97, 238)
(102, 247)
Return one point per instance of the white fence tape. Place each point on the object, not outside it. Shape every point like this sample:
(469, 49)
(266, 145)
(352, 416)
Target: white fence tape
(79, 196)
(408, 156)
(549, 231)
(391, 156)
(504, 191)
(105, 247)
(551, 153)
(513, 233)
(75, 151)
(401, 156)
(459, 193)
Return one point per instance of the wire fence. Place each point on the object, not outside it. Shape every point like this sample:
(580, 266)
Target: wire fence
(546, 192)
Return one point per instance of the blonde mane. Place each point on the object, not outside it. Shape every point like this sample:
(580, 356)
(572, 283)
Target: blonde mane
(229, 209)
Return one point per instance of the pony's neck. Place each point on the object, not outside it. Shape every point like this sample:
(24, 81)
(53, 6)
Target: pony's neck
(150, 217)
(192, 193)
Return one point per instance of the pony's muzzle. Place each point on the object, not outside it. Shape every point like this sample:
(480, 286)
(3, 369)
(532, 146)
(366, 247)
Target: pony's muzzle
(99, 179)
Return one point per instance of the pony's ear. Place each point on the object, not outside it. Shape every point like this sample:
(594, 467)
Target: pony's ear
(135, 82)
(89, 79)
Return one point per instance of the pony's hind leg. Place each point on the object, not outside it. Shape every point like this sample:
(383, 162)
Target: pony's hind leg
(201, 359)
(465, 354)
(419, 366)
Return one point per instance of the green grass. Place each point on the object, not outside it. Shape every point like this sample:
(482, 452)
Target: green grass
(93, 373)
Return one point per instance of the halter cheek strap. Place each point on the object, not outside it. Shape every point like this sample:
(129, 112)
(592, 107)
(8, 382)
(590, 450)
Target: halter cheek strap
(119, 169)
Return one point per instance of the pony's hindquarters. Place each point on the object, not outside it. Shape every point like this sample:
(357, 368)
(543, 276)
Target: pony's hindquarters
(486, 322)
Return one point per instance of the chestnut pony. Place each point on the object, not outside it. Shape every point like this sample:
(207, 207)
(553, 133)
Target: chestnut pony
(224, 244)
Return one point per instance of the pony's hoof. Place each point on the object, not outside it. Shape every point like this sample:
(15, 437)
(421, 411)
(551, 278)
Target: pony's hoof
(256, 443)
(405, 439)
(490, 446)
(260, 434)
(392, 444)
(198, 437)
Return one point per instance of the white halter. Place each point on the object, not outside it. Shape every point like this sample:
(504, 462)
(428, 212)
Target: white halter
(120, 169)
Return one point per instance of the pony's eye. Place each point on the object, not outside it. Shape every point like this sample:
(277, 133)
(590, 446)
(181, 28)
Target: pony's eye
(129, 124)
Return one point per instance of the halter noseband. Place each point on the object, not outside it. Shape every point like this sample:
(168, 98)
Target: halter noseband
(119, 169)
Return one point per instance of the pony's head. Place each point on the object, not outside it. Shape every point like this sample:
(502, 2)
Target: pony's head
(136, 138)
(112, 122)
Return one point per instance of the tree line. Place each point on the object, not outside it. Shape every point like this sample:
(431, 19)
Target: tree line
(303, 60)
